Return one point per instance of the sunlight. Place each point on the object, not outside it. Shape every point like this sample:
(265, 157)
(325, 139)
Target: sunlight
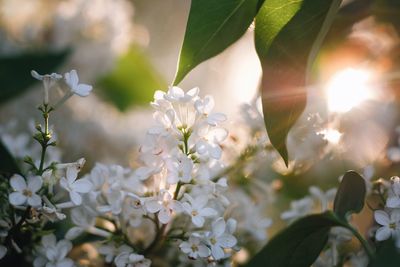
(347, 89)
(333, 136)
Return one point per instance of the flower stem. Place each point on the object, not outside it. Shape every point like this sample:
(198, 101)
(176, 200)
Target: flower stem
(368, 249)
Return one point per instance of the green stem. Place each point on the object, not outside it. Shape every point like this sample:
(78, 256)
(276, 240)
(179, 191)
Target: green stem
(368, 249)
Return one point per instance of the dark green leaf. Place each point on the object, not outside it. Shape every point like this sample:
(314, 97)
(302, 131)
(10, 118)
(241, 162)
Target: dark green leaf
(212, 26)
(350, 195)
(8, 165)
(288, 35)
(133, 81)
(387, 255)
(15, 71)
(298, 245)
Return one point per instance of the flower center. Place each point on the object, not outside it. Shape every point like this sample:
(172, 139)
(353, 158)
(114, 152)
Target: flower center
(194, 213)
(136, 203)
(392, 225)
(213, 241)
(194, 248)
(27, 193)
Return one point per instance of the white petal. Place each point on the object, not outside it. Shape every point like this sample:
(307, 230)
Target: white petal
(75, 198)
(198, 221)
(227, 240)
(17, 199)
(203, 251)
(185, 247)
(82, 185)
(73, 77)
(152, 206)
(217, 252)
(164, 215)
(35, 183)
(208, 212)
(63, 247)
(232, 223)
(218, 227)
(49, 240)
(395, 216)
(34, 200)
(175, 205)
(67, 262)
(72, 173)
(215, 151)
(83, 89)
(381, 217)
(18, 182)
(193, 92)
(64, 183)
(187, 207)
(73, 233)
(200, 201)
(382, 233)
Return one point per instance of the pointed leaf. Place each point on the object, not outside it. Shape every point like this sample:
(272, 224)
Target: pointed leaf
(299, 244)
(350, 195)
(288, 36)
(212, 26)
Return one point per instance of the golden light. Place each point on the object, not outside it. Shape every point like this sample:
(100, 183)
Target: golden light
(348, 88)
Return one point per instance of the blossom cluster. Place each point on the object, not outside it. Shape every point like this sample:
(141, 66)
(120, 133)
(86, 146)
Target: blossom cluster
(174, 204)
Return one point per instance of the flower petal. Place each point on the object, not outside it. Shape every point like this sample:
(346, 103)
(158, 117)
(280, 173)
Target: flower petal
(83, 89)
(75, 197)
(34, 201)
(17, 199)
(198, 221)
(382, 233)
(208, 212)
(82, 186)
(381, 217)
(217, 252)
(218, 227)
(164, 215)
(72, 173)
(152, 206)
(227, 241)
(35, 183)
(18, 182)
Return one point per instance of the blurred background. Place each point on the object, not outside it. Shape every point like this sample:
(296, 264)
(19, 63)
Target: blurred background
(129, 49)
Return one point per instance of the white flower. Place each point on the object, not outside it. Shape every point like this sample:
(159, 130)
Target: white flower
(48, 81)
(53, 253)
(209, 140)
(73, 186)
(128, 259)
(164, 205)
(393, 200)
(390, 224)
(205, 106)
(197, 209)
(220, 238)
(25, 193)
(323, 197)
(72, 80)
(176, 94)
(110, 251)
(179, 169)
(194, 248)
(298, 208)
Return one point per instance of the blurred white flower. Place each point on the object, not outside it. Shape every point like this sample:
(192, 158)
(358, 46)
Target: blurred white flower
(74, 186)
(179, 169)
(52, 253)
(72, 80)
(393, 200)
(196, 208)
(48, 81)
(194, 248)
(25, 193)
(129, 259)
(298, 208)
(165, 205)
(220, 238)
(390, 224)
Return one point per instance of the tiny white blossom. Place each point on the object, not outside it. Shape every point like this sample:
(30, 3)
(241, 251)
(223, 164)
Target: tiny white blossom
(165, 205)
(128, 259)
(194, 248)
(298, 208)
(25, 193)
(220, 238)
(48, 81)
(72, 80)
(393, 200)
(196, 208)
(390, 224)
(74, 186)
(52, 253)
(179, 169)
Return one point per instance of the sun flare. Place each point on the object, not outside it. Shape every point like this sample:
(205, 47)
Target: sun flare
(348, 88)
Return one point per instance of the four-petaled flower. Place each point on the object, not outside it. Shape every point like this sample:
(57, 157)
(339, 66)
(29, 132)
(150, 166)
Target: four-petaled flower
(164, 204)
(25, 193)
(195, 248)
(221, 237)
(73, 186)
(53, 253)
(390, 224)
(197, 209)
(72, 80)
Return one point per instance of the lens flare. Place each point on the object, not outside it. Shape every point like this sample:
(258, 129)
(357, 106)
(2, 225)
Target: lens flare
(347, 89)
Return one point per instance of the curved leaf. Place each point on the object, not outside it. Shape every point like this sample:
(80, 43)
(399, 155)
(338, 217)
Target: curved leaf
(212, 26)
(350, 195)
(8, 165)
(298, 245)
(288, 35)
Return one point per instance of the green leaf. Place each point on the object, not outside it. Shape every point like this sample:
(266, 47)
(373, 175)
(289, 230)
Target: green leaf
(288, 35)
(8, 165)
(387, 255)
(15, 70)
(299, 244)
(350, 195)
(212, 26)
(132, 82)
